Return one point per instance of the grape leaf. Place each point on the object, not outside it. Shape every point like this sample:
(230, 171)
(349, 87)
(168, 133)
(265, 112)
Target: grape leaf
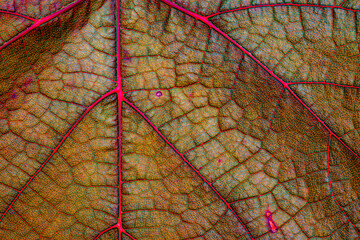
(212, 119)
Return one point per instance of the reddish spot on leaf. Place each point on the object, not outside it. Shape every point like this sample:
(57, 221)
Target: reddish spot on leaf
(219, 160)
(14, 95)
(200, 168)
(126, 55)
(159, 94)
(270, 222)
(268, 214)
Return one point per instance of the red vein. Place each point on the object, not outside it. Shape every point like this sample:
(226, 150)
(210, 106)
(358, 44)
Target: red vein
(285, 84)
(19, 15)
(28, 224)
(120, 100)
(104, 231)
(342, 3)
(55, 150)
(118, 91)
(190, 165)
(279, 5)
(331, 189)
(112, 227)
(37, 23)
(324, 83)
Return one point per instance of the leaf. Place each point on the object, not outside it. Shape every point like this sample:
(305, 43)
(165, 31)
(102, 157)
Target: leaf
(179, 119)
(160, 188)
(11, 26)
(75, 193)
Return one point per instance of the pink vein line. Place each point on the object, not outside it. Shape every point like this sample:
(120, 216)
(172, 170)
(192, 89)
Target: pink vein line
(285, 84)
(331, 188)
(112, 227)
(185, 160)
(19, 15)
(56, 149)
(120, 100)
(279, 5)
(37, 23)
(324, 83)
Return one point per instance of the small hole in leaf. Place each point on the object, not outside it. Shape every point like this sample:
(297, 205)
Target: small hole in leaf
(159, 94)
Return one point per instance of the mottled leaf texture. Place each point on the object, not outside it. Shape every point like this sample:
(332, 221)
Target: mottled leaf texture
(179, 119)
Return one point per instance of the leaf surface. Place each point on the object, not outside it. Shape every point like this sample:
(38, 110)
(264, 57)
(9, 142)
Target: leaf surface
(144, 119)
